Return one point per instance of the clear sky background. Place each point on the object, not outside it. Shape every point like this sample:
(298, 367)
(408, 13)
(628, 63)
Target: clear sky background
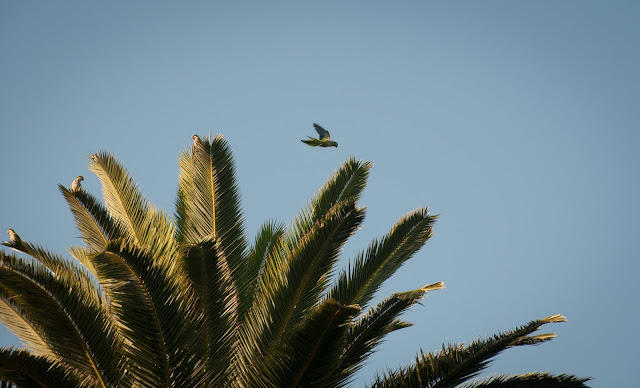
(517, 122)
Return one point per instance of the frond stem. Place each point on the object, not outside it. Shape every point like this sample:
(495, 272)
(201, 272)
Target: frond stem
(213, 194)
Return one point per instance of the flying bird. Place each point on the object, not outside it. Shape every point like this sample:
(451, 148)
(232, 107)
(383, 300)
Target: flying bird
(324, 141)
(13, 236)
(76, 186)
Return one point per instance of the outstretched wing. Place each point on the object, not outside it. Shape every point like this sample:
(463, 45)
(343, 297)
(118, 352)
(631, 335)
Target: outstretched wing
(312, 142)
(323, 133)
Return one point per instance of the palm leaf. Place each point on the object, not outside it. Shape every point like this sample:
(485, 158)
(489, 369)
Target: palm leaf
(208, 206)
(268, 239)
(180, 215)
(155, 313)
(346, 184)
(66, 314)
(92, 219)
(27, 370)
(139, 221)
(455, 364)
(359, 282)
(212, 280)
(81, 255)
(291, 285)
(371, 328)
(298, 281)
(59, 265)
(308, 357)
(533, 380)
(13, 316)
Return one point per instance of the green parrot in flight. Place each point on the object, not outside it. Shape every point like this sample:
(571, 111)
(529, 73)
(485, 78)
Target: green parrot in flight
(324, 141)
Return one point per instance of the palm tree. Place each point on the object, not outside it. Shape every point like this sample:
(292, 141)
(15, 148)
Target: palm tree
(154, 300)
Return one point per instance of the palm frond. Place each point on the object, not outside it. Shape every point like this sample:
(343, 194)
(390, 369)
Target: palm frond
(455, 364)
(92, 219)
(211, 278)
(155, 312)
(208, 206)
(81, 255)
(359, 282)
(533, 380)
(65, 312)
(371, 328)
(291, 285)
(24, 369)
(297, 280)
(266, 242)
(309, 354)
(17, 321)
(139, 221)
(57, 264)
(346, 184)
(180, 214)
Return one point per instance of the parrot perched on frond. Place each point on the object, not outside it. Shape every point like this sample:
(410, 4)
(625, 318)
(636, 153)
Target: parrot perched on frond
(13, 237)
(76, 185)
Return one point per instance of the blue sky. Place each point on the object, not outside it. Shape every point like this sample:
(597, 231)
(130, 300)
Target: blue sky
(515, 121)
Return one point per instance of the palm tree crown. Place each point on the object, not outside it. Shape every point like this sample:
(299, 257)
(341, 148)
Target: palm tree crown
(185, 300)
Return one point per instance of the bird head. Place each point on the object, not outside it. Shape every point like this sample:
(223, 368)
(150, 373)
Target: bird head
(11, 231)
(195, 137)
(80, 178)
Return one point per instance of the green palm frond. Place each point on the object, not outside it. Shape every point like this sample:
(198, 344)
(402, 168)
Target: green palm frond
(291, 285)
(311, 350)
(140, 222)
(455, 364)
(66, 314)
(81, 254)
(358, 283)
(208, 206)
(180, 214)
(58, 265)
(533, 380)
(157, 325)
(24, 369)
(18, 322)
(267, 240)
(371, 328)
(213, 282)
(92, 219)
(346, 184)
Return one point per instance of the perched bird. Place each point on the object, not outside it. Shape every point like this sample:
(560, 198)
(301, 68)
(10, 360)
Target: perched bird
(196, 140)
(324, 141)
(13, 236)
(76, 186)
